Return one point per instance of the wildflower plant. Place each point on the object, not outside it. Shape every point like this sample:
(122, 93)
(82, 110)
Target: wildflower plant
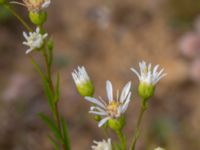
(108, 112)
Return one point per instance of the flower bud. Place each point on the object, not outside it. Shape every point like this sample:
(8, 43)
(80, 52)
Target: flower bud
(38, 18)
(83, 83)
(146, 90)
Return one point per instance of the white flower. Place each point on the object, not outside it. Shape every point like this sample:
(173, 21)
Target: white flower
(113, 108)
(83, 82)
(80, 76)
(34, 40)
(149, 75)
(159, 148)
(102, 145)
(36, 5)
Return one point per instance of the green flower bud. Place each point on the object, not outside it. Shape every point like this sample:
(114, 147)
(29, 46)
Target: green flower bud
(38, 18)
(117, 124)
(83, 83)
(146, 90)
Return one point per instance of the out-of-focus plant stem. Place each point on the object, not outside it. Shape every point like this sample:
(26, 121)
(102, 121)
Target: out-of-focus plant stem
(9, 8)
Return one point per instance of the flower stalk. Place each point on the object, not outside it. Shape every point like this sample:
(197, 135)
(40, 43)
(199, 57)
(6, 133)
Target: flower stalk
(122, 139)
(143, 108)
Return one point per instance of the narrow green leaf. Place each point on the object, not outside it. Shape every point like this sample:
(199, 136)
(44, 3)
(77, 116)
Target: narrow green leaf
(65, 134)
(51, 125)
(47, 89)
(50, 51)
(57, 94)
(49, 94)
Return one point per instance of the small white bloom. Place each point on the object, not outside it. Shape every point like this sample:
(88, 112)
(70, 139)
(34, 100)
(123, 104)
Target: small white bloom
(102, 145)
(113, 108)
(149, 75)
(34, 5)
(83, 82)
(159, 148)
(80, 76)
(34, 40)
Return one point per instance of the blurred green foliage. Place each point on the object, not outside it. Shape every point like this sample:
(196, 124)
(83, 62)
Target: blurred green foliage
(5, 15)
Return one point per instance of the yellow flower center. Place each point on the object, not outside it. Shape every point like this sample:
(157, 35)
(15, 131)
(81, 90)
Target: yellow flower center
(112, 109)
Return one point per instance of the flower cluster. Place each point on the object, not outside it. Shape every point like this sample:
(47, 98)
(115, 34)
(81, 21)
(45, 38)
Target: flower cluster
(114, 107)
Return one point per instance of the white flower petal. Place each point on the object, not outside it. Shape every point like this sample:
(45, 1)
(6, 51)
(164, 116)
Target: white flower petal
(104, 120)
(98, 113)
(125, 92)
(125, 105)
(109, 90)
(135, 71)
(95, 101)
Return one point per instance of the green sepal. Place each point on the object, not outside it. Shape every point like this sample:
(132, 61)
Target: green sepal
(86, 89)
(116, 124)
(38, 18)
(146, 90)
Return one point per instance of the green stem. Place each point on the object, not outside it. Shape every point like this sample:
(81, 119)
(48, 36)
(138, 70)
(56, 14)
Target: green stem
(18, 17)
(122, 139)
(137, 130)
(55, 112)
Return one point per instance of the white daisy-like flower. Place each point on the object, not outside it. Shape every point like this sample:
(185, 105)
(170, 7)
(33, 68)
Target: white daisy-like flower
(159, 148)
(34, 5)
(149, 75)
(34, 40)
(83, 82)
(102, 145)
(112, 108)
(80, 76)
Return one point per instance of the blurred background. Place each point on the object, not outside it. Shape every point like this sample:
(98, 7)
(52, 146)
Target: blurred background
(107, 37)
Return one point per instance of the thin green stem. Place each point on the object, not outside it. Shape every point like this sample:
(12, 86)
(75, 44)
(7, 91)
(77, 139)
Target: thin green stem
(18, 17)
(137, 130)
(122, 139)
